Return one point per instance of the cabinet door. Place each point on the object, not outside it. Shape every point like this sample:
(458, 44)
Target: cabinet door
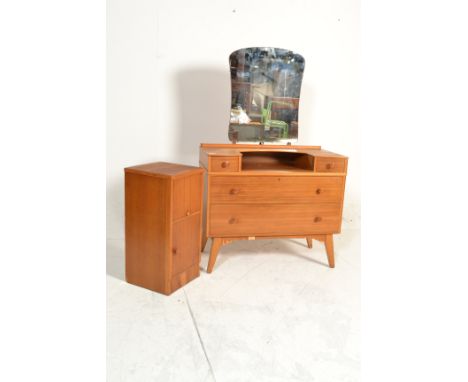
(195, 197)
(185, 243)
(187, 196)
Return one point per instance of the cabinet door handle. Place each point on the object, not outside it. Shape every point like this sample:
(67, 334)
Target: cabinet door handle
(329, 166)
(234, 191)
(317, 219)
(232, 220)
(174, 251)
(318, 191)
(225, 164)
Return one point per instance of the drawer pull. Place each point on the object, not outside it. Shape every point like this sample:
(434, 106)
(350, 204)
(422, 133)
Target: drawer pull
(318, 191)
(329, 166)
(234, 191)
(317, 219)
(174, 251)
(232, 220)
(225, 164)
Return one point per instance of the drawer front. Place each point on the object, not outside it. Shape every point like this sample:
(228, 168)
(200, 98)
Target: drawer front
(272, 189)
(230, 220)
(224, 164)
(330, 164)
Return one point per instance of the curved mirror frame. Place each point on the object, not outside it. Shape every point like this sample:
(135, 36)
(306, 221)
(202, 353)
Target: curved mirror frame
(265, 92)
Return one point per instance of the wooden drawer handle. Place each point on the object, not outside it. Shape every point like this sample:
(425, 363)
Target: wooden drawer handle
(329, 166)
(317, 219)
(234, 191)
(225, 164)
(232, 220)
(174, 251)
(318, 191)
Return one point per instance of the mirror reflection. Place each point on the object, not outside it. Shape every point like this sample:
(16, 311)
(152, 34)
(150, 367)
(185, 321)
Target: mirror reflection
(265, 90)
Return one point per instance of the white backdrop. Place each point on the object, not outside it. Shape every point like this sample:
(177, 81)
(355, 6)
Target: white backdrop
(168, 85)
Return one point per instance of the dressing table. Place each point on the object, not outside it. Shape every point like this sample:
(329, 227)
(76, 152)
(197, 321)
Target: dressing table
(271, 191)
(261, 185)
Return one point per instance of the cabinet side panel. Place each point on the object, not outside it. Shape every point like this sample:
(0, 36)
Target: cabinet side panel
(202, 205)
(342, 199)
(206, 204)
(147, 204)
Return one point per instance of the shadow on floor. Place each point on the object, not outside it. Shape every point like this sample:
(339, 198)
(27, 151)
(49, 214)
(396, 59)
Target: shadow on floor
(276, 247)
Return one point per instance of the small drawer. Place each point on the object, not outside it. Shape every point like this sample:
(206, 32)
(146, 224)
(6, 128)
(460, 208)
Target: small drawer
(324, 164)
(224, 164)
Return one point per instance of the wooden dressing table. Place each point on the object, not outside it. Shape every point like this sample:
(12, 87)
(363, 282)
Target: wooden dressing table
(271, 191)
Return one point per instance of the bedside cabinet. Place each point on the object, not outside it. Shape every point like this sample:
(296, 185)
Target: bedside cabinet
(163, 204)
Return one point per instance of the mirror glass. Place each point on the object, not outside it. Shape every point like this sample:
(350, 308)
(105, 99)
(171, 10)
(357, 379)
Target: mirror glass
(265, 90)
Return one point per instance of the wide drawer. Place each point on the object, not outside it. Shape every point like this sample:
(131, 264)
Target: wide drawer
(224, 164)
(230, 220)
(272, 189)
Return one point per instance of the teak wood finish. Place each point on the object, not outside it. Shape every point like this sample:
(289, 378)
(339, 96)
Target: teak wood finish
(163, 203)
(271, 191)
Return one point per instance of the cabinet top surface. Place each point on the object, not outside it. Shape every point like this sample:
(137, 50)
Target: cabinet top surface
(163, 169)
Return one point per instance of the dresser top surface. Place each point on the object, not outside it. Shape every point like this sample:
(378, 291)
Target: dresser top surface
(163, 169)
(238, 149)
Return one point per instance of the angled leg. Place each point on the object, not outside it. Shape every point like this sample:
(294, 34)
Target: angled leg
(216, 243)
(329, 248)
(309, 241)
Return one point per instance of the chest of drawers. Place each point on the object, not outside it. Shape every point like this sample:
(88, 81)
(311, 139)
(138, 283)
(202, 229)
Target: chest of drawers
(255, 192)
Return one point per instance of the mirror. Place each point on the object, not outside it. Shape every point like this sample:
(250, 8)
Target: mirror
(265, 90)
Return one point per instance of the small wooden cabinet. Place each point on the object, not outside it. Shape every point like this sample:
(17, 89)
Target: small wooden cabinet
(163, 203)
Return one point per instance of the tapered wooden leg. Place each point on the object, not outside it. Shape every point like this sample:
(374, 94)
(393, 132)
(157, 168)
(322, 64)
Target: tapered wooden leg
(329, 248)
(309, 241)
(216, 243)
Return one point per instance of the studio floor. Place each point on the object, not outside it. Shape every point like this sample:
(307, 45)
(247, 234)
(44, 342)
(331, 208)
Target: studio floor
(271, 311)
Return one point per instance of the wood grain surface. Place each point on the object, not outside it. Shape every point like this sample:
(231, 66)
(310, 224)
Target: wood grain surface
(274, 191)
(162, 225)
